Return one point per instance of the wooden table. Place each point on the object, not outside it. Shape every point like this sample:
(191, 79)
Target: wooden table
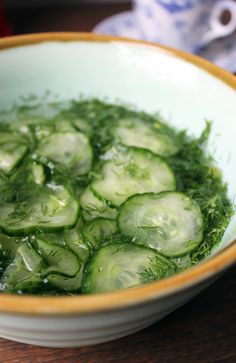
(202, 331)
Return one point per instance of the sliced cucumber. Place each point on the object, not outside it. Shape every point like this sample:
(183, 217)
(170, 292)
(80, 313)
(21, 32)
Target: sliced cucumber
(93, 207)
(43, 129)
(8, 248)
(140, 133)
(75, 241)
(183, 262)
(82, 125)
(24, 273)
(13, 148)
(55, 238)
(59, 259)
(63, 125)
(169, 222)
(98, 231)
(72, 239)
(30, 257)
(70, 284)
(122, 265)
(71, 151)
(46, 209)
(9, 245)
(130, 172)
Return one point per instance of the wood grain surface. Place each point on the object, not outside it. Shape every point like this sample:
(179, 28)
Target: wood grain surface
(203, 331)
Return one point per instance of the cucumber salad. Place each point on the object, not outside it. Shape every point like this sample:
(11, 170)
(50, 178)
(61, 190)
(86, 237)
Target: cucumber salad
(97, 197)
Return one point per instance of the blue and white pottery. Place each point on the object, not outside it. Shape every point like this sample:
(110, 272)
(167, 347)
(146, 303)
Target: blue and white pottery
(189, 25)
(185, 24)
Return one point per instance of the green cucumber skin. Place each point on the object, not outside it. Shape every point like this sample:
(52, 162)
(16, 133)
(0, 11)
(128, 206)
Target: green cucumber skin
(31, 230)
(23, 232)
(69, 284)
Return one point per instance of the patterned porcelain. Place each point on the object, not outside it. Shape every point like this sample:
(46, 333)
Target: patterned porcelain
(186, 90)
(184, 24)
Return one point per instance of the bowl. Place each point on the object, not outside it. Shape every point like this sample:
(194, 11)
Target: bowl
(186, 90)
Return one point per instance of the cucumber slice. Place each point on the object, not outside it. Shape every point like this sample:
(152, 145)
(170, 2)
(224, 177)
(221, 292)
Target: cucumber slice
(9, 245)
(122, 265)
(71, 151)
(130, 172)
(139, 133)
(13, 148)
(82, 125)
(59, 259)
(169, 222)
(8, 248)
(70, 284)
(24, 273)
(63, 125)
(75, 241)
(30, 257)
(55, 238)
(92, 207)
(44, 129)
(71, 239)
(182, 262)
(98, 231)
(51, 208)
(24, 129)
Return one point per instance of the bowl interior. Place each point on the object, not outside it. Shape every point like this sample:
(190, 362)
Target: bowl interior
(144, 76)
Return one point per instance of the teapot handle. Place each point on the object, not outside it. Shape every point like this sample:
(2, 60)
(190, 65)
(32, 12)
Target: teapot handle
(217, 28)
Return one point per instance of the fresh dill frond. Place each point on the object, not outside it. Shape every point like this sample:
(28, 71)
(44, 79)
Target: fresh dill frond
(160, 267)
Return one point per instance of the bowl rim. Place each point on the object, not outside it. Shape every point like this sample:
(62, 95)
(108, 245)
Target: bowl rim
(102, 303)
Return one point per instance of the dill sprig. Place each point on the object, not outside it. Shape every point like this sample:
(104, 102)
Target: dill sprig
(160, 267)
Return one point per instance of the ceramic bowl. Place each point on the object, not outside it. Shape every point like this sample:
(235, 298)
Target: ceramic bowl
(186, 90)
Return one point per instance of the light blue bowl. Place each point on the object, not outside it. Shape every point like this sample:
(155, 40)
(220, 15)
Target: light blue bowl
(187, 91)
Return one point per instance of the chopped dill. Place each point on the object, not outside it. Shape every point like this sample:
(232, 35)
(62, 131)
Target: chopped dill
(159, 268)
